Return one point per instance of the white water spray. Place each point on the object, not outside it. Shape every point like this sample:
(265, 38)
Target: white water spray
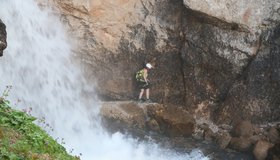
(37, 64)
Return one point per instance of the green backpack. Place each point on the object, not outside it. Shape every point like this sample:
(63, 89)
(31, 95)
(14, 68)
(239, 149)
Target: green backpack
(140, 75)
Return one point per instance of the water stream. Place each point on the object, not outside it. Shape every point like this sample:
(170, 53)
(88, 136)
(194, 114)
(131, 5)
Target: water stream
(38, 66)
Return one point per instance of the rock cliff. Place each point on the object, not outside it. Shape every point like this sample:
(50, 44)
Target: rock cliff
(250, 15)
(3, 37)
(230, 59)
(116, 37)
(213, 57)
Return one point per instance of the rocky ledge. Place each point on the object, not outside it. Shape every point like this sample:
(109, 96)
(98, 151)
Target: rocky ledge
(182, 131)
(147, 117)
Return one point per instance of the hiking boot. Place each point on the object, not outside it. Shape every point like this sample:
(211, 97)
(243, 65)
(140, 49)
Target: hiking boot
(140, 100)
(148, 101)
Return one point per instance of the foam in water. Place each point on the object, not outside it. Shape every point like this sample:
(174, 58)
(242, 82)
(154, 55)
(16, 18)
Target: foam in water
(37, 63)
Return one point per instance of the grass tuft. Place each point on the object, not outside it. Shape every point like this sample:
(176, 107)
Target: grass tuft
(21, 139)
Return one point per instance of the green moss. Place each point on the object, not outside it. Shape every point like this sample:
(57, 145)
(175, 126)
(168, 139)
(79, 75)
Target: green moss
(21, 139)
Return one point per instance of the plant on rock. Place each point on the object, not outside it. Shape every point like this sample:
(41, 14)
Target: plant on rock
(21, 139)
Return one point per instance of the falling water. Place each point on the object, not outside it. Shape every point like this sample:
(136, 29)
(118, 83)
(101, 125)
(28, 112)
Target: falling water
(38, 65)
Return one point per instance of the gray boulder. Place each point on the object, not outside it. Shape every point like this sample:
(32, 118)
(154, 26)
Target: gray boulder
(3, 37)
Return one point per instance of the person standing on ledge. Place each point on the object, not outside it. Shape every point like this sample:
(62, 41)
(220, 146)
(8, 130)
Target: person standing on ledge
(143, 82)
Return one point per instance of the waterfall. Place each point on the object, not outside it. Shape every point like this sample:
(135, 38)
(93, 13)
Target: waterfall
(38, 66)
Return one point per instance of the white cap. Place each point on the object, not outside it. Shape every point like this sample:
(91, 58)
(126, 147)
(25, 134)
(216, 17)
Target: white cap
(148, 65)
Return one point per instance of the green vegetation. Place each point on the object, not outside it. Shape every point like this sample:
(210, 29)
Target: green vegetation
(21, 139)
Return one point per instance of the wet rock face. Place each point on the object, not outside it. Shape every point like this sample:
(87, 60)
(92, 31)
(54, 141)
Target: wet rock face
(251, 16)
(123, 116)
(261, 149)
(116, 38)
(240, 144)
(214, 54)
(231, 67)
(3, 37)
(274, 152)
(213, 57)
(256, 94)
(173, 122)
(243, 129)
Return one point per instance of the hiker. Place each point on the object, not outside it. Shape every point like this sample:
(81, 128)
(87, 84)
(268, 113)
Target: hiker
(143, 82)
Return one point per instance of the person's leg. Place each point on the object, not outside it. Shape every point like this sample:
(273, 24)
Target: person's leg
(141, 94)
(148, 93)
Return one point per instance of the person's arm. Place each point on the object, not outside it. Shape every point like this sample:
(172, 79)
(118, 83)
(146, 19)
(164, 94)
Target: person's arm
(146, 75)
